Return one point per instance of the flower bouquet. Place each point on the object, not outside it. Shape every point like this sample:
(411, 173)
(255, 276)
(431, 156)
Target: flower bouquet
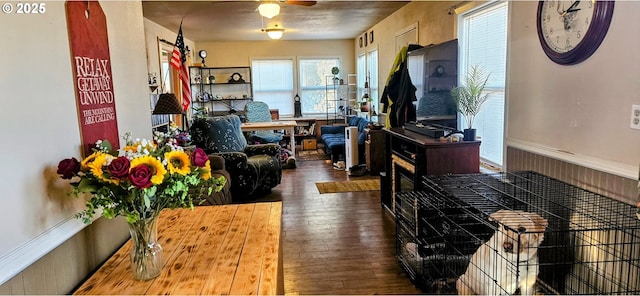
(137, 183)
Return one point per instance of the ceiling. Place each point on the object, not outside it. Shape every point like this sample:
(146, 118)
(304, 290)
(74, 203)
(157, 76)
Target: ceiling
(240, 21)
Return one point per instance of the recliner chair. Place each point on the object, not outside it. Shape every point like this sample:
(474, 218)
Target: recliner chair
(259, 112)
(254, 169)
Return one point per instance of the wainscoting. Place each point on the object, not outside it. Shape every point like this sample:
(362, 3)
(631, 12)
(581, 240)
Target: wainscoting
(613, 186)
(64, 268)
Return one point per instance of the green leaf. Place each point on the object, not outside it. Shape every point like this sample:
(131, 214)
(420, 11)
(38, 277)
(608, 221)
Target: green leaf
(87, 185)
(108, 213)
(132, 217)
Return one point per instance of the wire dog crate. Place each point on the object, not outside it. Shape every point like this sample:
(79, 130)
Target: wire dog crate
(591, 243)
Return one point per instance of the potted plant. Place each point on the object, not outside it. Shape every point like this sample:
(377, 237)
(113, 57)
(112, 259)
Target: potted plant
(470, 96)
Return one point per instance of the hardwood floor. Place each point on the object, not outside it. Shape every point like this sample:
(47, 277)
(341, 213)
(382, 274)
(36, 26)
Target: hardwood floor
(337, 243)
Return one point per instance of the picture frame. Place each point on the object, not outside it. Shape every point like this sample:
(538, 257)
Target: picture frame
(371, 37)
(360, 41)
(365, 40)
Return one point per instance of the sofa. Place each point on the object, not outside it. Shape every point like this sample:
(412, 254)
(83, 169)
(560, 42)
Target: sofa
(253, 169)
(333, 138)
(215, 198)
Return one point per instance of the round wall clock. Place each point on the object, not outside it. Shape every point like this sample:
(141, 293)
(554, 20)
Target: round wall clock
(571, 31)
(202, 54)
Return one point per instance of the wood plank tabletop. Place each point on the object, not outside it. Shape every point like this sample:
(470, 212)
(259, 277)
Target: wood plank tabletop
(228, 249)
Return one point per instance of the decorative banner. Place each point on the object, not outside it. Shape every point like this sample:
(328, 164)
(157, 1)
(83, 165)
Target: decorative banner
(92, 73)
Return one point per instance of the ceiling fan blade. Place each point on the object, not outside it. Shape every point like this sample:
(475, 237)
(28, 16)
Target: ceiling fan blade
(303, 3)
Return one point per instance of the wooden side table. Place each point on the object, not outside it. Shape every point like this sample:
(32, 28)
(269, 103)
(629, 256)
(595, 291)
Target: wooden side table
(229, 250)
(375, 151)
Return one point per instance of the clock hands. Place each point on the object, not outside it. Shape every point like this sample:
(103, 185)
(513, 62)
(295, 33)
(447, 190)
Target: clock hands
(567, 16)
(573, 8)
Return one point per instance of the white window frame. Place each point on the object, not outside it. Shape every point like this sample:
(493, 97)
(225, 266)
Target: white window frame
(301, 87)
(494, 108)
(282, 112)
(367, 70)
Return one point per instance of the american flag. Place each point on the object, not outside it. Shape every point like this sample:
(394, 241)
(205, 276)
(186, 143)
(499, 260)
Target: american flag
(178, 62)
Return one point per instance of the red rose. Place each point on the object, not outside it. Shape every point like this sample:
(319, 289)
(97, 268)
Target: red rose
(140, 176)
(68, 168)
(119, 168)
(199, 158)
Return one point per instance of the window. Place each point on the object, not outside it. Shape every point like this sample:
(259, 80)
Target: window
(361, 73)
(483, 42)
(273, 84)
(367, 69)
(313, 79)
(372, 72)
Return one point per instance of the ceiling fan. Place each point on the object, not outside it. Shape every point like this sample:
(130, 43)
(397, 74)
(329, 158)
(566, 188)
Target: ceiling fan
(302, 2)
(270, 9)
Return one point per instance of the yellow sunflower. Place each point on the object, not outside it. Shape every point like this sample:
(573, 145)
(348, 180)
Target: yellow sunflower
(178, 162)
(100, 161)
(84, 165)
(153, 163)
(206, 171)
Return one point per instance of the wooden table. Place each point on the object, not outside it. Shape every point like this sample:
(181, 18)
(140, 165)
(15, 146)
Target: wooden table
(228, 249)
(287, 125)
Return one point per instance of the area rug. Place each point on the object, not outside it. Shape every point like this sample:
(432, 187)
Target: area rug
(348, 186)
(317, 154)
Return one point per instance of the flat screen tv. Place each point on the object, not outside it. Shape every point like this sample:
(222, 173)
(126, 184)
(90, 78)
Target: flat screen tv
(433, 70)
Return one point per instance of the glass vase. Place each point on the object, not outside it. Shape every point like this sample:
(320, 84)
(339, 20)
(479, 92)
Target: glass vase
(146, 252)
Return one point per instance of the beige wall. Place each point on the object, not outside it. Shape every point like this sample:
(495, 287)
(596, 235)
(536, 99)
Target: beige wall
(579, 113)
(435, 25)
(40, 127)
(582, 109)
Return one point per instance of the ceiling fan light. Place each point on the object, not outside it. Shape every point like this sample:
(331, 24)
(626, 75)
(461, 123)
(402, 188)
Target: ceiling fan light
(275, 33)
(269, 10)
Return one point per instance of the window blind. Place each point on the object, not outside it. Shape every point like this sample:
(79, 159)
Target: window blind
(483, 42)
(273, 84)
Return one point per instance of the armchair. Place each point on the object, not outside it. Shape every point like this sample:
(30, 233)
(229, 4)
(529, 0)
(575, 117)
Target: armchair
(253, 169)
(215, 198)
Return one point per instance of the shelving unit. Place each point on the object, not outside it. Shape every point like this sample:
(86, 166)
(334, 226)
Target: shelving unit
(220, 89)
(369, 113)
(340, 97)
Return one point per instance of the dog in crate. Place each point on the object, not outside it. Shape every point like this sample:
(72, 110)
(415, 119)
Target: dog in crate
(508, 261)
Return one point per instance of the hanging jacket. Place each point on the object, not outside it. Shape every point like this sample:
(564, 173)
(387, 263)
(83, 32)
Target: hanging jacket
(399, 93)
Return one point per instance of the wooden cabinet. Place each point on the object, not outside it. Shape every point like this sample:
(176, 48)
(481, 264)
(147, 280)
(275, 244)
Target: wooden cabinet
(412, 156)
(375, 151)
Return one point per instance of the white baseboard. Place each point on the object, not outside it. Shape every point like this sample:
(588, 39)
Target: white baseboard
(607, 166)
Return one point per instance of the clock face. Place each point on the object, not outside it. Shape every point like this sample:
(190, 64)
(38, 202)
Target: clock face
(202, 53)
(570, 31)
(565, 23)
